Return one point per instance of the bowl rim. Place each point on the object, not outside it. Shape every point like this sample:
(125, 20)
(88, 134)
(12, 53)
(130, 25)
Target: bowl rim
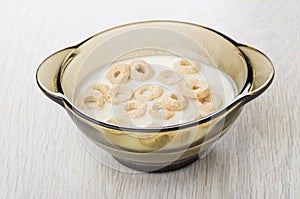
(236, 101)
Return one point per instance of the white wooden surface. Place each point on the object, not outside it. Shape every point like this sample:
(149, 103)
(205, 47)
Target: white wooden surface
(41, 155)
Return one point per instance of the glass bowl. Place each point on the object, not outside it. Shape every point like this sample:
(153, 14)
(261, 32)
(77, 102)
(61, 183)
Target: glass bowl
(169, 147)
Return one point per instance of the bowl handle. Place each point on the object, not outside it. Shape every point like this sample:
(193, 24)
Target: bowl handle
(263, 71)
(47, 74)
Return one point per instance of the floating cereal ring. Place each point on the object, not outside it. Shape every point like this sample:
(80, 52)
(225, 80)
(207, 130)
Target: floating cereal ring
(140, 70)
(111, 121)
(118, 94)
(160, 112)
(91, 99)
(156, 141)
(212, 102)
(119, 122)
(103, 88)
(201, 114)
(148, 93)
(118, 73)
(174, 102)
(135, 109)
(186, 67)
(195, 88)
(169, 77)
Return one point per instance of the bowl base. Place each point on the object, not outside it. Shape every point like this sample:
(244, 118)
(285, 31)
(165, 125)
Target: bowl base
(157, 169)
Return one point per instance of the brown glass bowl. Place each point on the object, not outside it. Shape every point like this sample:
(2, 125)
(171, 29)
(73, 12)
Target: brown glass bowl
(159, 148)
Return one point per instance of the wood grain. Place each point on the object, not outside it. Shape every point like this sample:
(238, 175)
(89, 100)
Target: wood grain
(42, 156)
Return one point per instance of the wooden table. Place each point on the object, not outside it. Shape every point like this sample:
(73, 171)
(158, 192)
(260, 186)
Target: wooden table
(42, 156)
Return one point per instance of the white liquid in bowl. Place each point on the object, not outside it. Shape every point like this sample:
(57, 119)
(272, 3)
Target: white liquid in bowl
(220, 84)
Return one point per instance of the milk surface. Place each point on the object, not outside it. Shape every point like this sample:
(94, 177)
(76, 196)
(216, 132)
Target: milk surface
(219, 82)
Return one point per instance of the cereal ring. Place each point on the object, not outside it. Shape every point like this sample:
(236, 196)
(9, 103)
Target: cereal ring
(118, 121)
(118, 73)
(160, 112)
(181, 137)
(195, 88)
(135, 109)
(186, 67)
(119, 94)
(111, 121)
(103, 88)
(156, 141)
(91, 99)
(212, 102)
(148, 93)
(169, 77)
(201, 114)
(140, 70)
(174, 102)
